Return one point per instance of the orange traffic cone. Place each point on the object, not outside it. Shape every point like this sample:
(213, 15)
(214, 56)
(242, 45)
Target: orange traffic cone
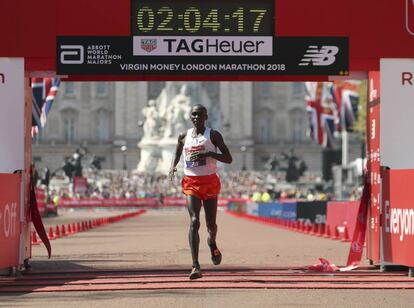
(50, 234)
(58, 234)
(335, 235)
(34, 239)
(313, 229)
(327, 233)
(63, 231)
(320, 231)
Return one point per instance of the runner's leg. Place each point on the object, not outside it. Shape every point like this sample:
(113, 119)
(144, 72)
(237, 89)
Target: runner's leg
(194, 206)
(210, 209)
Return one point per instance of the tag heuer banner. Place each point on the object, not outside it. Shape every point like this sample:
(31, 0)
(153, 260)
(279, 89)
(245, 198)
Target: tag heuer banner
(202, 55)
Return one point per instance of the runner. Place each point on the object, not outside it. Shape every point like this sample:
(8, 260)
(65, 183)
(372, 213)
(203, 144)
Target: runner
(201, 184)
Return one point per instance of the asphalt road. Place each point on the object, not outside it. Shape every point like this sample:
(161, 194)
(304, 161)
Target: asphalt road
(144, 262)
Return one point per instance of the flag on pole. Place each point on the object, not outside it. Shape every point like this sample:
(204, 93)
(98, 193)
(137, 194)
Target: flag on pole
(44, 91)
(329, 116)
(346, 96)
(322, 113)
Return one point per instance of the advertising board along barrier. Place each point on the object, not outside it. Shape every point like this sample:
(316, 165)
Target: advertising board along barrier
(397, 150)
(289, 210)
(398, 216)
(341, 214)
(273, 210)
(111, 202)
(311, 212)
(9, 219)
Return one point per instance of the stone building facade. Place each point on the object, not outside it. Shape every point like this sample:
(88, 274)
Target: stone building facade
(258, 119)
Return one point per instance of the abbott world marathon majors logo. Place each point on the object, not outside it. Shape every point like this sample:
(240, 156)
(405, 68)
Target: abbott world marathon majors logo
(88, 54)
(399, 221)
(203, 46)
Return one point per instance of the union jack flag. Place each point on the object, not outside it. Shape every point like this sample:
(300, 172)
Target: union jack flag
(322, 113)
(44, 91)
(346, 95)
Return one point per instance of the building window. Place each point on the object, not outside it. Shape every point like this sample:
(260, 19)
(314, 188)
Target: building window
(264, 131)
(297, 125)
(265, 89)
(69, 88)
(69, 129)
(298, 89)
(102, 126)
(37, 159)
(101, 89)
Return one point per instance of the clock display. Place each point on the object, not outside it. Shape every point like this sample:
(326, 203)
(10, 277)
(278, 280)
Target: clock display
(213, 17)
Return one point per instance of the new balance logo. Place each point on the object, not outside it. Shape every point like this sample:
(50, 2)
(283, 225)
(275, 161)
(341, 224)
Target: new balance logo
(319, 57)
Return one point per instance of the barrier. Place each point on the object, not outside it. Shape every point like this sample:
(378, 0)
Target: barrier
(398, 217)
(289, 210)
(135, 202)
(273, 209)
(252, 208)
(85, 225)
(9, 220)
(112, 202)
(341, 214)
(311, 212)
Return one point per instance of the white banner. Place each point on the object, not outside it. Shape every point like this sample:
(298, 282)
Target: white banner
(397, 113)
(11, 114)
(203, 46)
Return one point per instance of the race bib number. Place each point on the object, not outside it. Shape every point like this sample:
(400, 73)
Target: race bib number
(190, 152)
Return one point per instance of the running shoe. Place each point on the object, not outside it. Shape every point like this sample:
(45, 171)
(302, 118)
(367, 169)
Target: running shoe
(215, 254)
(195, 273)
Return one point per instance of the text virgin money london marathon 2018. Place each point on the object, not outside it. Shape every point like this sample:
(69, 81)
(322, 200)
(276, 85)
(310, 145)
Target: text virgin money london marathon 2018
(202, 67)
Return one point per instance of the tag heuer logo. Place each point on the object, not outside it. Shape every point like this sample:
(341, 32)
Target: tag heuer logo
(148, 44)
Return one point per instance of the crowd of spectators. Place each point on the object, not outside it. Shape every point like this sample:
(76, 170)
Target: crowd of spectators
(261, 186)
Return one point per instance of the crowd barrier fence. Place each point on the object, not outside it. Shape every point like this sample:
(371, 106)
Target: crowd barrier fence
(134, 202)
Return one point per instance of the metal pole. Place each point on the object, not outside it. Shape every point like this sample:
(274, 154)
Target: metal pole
(344, 148)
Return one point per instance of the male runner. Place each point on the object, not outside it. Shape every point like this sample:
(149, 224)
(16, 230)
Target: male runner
(201, 184)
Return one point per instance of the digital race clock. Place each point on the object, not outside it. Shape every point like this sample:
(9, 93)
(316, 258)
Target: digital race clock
(207, 17)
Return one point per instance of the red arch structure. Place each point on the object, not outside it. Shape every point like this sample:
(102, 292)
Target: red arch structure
(376, 29)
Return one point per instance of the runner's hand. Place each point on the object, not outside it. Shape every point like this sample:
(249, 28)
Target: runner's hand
(198, 155)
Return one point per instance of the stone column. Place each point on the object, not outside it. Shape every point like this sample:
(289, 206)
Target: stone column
(236, 102)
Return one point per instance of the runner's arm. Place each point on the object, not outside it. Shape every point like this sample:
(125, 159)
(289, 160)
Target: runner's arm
(224, 156)
(177, 156)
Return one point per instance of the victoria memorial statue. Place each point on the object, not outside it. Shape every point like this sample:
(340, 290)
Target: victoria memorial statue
(166, 117)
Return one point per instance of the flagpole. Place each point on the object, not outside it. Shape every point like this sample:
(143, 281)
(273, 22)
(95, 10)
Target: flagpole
(344, 148)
